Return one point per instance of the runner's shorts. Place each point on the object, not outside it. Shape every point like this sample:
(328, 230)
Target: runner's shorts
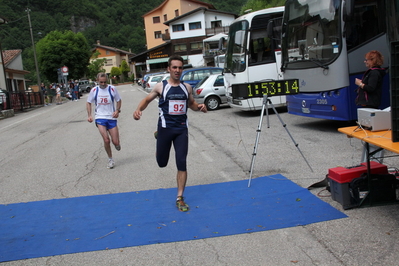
(108, 123)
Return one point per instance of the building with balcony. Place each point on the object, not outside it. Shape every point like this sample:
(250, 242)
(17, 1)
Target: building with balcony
(156, 31)
(184, 36)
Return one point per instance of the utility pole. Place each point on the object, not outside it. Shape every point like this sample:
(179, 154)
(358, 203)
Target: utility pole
(34, 51)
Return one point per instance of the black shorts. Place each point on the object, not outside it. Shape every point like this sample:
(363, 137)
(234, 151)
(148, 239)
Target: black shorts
(179, 138)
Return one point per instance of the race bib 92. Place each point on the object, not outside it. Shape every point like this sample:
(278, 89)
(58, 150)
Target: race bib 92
(177, 107)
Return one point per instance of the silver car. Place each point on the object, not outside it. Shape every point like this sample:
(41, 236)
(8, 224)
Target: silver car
(152, 80)
(211, 91)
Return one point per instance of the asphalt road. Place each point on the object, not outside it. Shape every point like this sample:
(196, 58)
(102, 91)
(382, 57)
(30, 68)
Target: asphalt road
(53, 152)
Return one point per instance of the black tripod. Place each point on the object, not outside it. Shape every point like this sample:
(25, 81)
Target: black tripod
(267, 101)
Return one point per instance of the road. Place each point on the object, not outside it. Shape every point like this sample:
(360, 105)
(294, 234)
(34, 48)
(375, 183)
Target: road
(53, 152)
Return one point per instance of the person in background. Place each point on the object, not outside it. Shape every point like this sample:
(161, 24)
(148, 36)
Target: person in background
(44, 92)
(68, 95)
(370, 86)
(58, 99)
(104, 96)
(76, 90)
(175, 97)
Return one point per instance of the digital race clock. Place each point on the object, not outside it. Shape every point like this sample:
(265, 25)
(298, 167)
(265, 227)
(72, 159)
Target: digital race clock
(269, 88)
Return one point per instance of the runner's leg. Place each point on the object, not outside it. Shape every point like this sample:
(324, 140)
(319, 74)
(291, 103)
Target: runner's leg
(114, 132)
(180, 144)
(104, 134)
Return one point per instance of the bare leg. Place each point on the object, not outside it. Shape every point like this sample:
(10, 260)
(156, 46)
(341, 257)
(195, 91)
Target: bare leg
(181, 182)
(114, 132)
(107, 141)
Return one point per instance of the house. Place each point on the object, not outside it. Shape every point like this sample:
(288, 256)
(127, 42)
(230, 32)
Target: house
(155, 29)
(113, 56)
(189, 30)
(14, 72)
(185, 37)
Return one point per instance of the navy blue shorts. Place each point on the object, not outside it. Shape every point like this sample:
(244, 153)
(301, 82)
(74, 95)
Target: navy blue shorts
(179, 138)
(108, 123)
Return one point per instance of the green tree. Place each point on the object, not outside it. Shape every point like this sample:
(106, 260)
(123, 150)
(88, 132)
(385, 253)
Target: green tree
(95, 66)
(59, 49)
(115, 72)
(255, 5)
(125, 69)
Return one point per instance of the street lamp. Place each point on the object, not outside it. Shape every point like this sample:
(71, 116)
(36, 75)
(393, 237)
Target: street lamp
(34, 50)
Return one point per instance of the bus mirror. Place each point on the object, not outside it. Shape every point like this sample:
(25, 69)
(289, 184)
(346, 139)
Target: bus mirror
(270, 29)
(348, 7)
(221, 43)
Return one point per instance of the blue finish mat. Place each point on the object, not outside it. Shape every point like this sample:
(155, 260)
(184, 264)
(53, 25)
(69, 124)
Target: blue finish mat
(62, 226)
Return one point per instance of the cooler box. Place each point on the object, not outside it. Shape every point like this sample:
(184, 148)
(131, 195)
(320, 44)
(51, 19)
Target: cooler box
(340, 177)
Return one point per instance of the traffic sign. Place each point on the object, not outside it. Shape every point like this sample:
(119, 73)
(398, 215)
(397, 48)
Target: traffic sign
(64, 69)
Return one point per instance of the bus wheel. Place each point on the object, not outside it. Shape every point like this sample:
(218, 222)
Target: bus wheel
(212, 103)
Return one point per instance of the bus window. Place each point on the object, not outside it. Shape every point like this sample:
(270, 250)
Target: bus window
(366, 24)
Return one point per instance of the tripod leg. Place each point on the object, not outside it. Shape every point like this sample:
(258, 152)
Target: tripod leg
(286, 129)
(257, 139)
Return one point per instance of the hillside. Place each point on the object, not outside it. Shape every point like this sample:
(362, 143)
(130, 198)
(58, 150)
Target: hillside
(118, 23)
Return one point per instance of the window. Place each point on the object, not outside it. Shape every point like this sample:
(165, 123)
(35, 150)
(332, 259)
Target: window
(109, 62)
(165, 17)
(216, 24)
(198, 75)
(194, 25)
(180, 47)
(178, 27)
(176, 12)
(196, 45)
(219, 81)
(156, 20)
(107, 52)
(157, 34)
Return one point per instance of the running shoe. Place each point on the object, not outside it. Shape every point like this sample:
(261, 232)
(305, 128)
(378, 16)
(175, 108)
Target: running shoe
(111, 164)
(181, 205)
(118, 147)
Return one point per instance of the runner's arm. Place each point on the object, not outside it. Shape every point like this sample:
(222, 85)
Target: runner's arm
(146, 101)
(192, 104)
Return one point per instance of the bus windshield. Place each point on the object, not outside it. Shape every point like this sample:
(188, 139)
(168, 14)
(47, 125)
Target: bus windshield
(312, 35)
(237, 41)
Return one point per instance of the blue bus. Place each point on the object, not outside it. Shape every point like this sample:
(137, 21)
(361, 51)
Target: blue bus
(323, 46)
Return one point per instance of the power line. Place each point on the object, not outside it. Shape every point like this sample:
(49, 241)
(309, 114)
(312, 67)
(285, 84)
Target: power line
(8, 22)
(17, 40)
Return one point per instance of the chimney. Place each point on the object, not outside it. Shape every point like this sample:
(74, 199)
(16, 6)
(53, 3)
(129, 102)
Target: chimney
(98, 42)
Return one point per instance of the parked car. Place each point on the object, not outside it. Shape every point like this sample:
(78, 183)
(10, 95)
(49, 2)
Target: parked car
(211, 91)
(152, 80)
(85, 86)
(166, 77)
(147, 76)
(194, 75)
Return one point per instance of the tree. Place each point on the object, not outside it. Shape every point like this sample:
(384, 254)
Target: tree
(124, 69)
(96, 66)
(59, 49)
(255, 5)
(115, 72)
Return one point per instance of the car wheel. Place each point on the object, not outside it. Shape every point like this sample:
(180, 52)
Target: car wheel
(212, 103)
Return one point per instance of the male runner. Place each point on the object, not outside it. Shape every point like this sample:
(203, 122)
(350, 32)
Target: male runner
(174, 99)
(104, 96)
